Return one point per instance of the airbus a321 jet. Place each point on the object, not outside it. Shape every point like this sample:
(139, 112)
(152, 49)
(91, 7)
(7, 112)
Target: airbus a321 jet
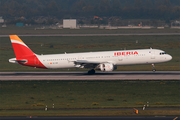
(105, 60)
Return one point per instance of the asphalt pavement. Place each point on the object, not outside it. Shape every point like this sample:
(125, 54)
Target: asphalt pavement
(115, 75)
(97, 34)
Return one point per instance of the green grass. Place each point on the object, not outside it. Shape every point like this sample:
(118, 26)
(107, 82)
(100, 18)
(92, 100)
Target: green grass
(88, 94)
(56, 45)
(88, 113)
(31, 30)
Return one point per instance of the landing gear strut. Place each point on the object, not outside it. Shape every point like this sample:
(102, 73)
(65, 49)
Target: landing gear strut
(154, 70)
(92, 71)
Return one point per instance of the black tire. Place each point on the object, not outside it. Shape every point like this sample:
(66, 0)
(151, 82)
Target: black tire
(93, 71)
(90, 72)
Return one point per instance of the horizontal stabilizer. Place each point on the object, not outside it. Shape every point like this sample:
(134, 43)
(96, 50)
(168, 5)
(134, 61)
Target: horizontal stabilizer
(13, 60)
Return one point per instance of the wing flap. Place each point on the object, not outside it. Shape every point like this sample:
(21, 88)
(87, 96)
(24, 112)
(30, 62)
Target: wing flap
(86, 64)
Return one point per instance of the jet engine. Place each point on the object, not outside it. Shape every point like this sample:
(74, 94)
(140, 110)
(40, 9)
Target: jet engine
(107, 67)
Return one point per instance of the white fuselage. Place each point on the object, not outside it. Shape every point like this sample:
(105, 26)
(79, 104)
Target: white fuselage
(123, 57)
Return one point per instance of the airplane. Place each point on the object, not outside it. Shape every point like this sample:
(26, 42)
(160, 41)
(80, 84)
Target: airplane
(104, 60)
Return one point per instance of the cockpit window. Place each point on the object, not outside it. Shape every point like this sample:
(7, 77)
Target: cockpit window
(162, 53)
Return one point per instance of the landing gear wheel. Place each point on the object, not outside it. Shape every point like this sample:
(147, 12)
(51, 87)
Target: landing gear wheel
(154, 70)
(92, 71)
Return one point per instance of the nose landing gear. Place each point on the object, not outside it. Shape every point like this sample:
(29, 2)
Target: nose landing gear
(153, 66)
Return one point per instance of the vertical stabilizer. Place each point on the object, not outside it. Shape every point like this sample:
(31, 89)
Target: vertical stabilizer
(20, 48)
(24, 55)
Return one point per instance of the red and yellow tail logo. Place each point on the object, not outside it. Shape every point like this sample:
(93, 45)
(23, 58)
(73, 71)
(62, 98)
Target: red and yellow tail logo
(24, 55)
(20, 48)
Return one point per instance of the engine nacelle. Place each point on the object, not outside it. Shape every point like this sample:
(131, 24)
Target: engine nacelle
(107, 67)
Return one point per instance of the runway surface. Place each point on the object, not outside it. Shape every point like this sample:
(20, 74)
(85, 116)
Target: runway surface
(115, 75)
(98, 34)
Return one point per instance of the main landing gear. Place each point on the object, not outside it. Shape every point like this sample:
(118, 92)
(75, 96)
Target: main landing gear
(92, 71)
(153, 66)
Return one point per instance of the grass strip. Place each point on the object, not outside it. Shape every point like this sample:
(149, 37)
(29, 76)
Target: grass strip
(88, 94)
(31, 30)
(88, 113)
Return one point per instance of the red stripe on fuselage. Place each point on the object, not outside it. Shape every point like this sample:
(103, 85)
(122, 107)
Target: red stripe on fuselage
(32, 61)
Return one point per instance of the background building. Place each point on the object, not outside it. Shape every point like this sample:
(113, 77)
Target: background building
(69, 23)
(1, 20)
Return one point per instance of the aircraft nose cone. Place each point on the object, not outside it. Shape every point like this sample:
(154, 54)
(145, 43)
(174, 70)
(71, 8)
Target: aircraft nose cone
(169, 57)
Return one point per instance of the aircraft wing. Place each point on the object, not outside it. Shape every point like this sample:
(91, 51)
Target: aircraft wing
(86, 64)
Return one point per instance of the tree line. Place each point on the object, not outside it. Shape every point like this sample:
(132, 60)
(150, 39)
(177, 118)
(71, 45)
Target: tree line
(126, 9)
